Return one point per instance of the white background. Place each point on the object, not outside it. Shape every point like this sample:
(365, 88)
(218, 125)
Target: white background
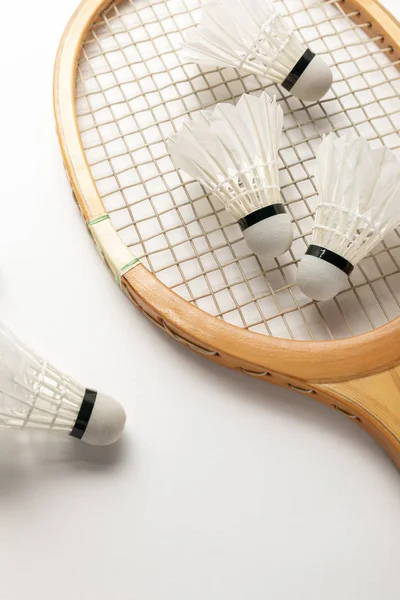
(223, 488)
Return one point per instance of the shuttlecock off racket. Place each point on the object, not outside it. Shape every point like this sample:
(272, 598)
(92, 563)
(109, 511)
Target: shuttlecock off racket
(233, 151)
(34, 394)
(252, 35)
(359, 203)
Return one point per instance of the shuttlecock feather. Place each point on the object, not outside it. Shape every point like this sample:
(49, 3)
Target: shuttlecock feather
(233, 152)
(252, 35)
(33, 394)
(359, 203)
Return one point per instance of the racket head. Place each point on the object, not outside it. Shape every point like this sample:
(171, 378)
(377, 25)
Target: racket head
(284, 361)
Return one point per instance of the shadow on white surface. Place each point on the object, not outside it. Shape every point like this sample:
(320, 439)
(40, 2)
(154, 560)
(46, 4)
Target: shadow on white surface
(300, 413)
(29, 457)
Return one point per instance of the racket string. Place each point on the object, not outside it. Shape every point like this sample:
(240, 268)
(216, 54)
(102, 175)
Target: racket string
(128, 67)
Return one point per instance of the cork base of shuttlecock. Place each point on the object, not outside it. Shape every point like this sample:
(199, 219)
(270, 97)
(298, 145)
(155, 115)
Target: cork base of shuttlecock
(106, 422)
(270, 237)
(319, 279)
(314, 82)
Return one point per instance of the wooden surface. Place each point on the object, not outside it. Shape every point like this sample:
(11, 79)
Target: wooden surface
(334, 370)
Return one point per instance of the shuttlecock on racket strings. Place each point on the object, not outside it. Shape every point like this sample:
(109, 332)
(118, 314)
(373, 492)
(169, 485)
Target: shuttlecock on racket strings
(233, 152)
(252, 35)
(359, 203)
(33, 394)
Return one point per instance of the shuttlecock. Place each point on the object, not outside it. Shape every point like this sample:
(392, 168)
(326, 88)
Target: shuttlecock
(33, 394)
(233, 151)
(252, 35)
(359, 203)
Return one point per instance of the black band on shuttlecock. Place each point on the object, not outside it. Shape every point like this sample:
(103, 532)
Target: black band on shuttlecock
(260, 215)
(298, 70)
(85, 412)
(331, 257)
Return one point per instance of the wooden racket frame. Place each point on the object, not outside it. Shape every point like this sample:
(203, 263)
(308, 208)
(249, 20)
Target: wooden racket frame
(358, 376)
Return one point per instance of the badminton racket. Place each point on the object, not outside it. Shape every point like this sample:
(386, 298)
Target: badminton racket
(121, 88)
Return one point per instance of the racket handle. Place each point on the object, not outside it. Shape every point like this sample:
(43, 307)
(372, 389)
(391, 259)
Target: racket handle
(373, 403)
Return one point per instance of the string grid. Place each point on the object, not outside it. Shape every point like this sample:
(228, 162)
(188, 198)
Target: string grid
(133, 91)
